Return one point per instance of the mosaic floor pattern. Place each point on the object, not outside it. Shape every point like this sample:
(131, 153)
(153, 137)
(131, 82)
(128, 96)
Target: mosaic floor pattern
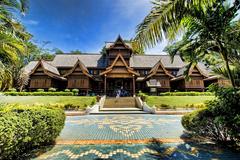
(100, 138)
(122, 127)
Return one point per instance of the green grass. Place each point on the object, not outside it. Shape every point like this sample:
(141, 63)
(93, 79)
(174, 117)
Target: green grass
(83, 102)
(176, 101)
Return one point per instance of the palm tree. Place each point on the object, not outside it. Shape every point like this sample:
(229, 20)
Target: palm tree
(13, 38)
(165, 19)
(19, 5)
(207, 25)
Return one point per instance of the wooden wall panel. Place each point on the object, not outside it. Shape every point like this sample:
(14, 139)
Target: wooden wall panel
(81, 82)
(224, 82)
(196, 82)
(164, 81)
(40, 82)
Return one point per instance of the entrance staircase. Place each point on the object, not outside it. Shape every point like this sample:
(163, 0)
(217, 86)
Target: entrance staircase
(121, 105)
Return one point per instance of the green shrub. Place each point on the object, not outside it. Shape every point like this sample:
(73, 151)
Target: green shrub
(69, 106)
(67, 90)
(40, 90)
(220, 120)
(12, 90)
(93, 101)
(52, 90)
(165, 106)
(186, 94)
(38, 93)
(23, 128)
(143, 96)
(75, 91)
(197, 105)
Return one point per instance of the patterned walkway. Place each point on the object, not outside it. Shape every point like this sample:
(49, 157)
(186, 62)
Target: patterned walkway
(129, 137)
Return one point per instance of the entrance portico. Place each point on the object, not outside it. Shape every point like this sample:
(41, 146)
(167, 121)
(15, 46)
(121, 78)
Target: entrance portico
(126, 85)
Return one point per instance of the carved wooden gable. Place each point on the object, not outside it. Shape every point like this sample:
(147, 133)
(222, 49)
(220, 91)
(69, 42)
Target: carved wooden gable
(119, 69)
(159, 70)
(78, 70)
(196, 72)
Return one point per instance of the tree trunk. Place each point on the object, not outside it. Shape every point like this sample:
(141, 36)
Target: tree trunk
(230, 76)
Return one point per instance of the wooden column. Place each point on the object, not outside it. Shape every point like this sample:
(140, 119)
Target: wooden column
(105, 84)
(133, 85)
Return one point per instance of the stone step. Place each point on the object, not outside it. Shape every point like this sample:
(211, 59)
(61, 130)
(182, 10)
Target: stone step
(121, 102)
(119, 106)
(121, 109)
(119, 112)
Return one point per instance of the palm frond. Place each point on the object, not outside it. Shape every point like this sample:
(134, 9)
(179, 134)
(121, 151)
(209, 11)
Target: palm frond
(21, 5)
(10, 47)
(164, 20)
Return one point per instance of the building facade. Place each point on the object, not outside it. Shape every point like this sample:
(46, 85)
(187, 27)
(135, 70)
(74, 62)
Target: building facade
(118, 69)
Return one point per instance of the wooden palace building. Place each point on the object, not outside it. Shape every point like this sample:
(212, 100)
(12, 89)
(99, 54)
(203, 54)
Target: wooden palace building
(118, 69)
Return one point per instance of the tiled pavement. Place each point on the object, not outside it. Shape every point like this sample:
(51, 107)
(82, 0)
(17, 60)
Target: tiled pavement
(105, 137)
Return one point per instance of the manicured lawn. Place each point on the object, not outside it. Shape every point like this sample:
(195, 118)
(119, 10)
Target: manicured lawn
(176, 101)
(83, 102)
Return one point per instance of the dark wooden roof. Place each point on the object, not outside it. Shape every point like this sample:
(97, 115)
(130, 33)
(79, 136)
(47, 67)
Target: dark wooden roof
(99, 61)
(148, 61)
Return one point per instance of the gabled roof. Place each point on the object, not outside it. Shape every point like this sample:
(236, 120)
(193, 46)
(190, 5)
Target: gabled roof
(82, 66)
(154, 70)
(119, 56)
(119, 39)
(89, 60)
(213, 78)
(180, 74)
(30, 66)
(48, 69)
(148, 61)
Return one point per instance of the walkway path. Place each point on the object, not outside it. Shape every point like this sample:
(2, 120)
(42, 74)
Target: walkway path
(130, 137)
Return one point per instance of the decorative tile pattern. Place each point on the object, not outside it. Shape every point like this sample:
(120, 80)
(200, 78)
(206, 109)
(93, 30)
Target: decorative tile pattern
(121, 127)
(129, 137)
(153, 151)
(71, 155)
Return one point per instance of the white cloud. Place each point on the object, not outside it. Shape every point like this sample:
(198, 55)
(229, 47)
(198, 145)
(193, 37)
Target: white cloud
(132, 8)
(158, 49)
(31, 22)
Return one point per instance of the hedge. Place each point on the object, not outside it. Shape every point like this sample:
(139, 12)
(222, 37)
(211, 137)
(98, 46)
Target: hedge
(220, 120)
(38, 93)
(188, 106)
(24, 128)
(69, 106)
(186, 94)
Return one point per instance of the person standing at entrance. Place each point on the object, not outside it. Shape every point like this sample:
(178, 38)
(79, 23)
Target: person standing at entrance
(118, 93)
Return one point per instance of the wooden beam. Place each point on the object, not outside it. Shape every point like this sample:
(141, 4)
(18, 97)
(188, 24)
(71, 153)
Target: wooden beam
(105, 84)
(133, 85)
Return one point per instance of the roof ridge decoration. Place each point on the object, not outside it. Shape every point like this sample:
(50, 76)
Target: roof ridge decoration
(119, 38)
(46, 70)
(190, 72)
(82, 66)
(110, 68)
(153, 71)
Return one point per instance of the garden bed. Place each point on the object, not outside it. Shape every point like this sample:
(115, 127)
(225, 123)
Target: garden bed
(177, 102)
(65, 102)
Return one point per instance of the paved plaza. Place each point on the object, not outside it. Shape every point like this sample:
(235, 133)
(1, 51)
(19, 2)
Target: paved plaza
(130, 137)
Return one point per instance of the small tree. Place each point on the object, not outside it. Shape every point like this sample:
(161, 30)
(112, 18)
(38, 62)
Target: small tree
(23, 80)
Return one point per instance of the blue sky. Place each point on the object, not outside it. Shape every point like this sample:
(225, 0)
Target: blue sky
(85, 24)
